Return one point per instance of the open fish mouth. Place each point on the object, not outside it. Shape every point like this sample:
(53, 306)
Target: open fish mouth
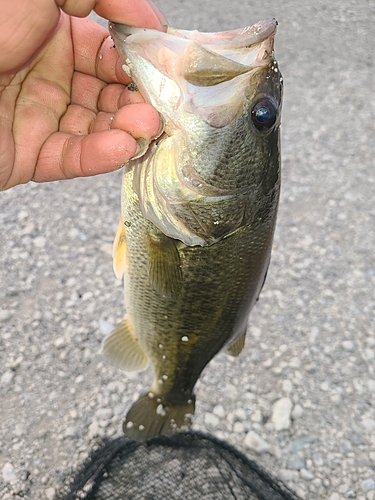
(191, 60)
(233, 39)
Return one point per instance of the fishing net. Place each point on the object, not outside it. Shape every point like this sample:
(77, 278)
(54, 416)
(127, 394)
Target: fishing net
(186, 466)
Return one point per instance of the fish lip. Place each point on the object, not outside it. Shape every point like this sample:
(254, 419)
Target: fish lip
(244, 37)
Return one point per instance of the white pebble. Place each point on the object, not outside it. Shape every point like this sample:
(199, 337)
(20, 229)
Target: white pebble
(307, 475)
(257, 417)
(256, 443)
(348, 345)
(287, 386)
(5, 315)
(219, 411)
(104, 413)
(50, 493)
(9, 475)
(281, 412)
(105, 327)
(297, 412)
(211, 420)
(40, 241)
(238, 427)
(368, 424)
(7, 377)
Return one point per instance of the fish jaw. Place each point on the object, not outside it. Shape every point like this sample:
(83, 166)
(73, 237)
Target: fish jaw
(188, 72)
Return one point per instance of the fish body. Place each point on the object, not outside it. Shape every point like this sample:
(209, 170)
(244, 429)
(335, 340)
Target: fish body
(198, 209)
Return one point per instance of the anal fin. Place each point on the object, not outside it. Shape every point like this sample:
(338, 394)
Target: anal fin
(123, 350)
(150, 416)
(236, 346)
(119, 251)
(164, 267)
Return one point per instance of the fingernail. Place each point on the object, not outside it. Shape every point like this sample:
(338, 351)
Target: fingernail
(158, 14)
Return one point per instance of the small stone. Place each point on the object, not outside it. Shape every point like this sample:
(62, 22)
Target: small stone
(368, 484)
(240, 413)
(79, 379)
(256, 417)
(219, 411)
(296, 463)
(211, 420)
(50, 493)
(356, 438)
(336, 399)
(256, 443)
(59, 342)
(255, 331)
(281, 414)
(334, 496)
(238, 427)
(287, 386)
(94, 430)
(40, 241)
(317, 459)
(306, 474)
(324, 386)
(71, 432)
(348, 345)
(7, 377)
(4, 315)
(368, 424)
(8, 473)
(53, 396)
(19, 430)
(24, 475)
(288, 475)
(104, 413)
(105, 327)
(297, 412)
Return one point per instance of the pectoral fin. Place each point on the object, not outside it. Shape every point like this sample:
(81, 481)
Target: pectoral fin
(119, 251)
(235, 347)
(164, 265)
(123, 350)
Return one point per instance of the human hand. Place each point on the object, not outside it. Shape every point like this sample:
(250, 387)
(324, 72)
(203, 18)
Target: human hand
(65, 110)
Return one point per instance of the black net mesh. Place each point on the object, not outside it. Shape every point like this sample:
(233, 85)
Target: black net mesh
(189, 466)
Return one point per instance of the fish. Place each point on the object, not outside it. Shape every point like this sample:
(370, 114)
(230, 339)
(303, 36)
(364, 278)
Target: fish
(198, 209)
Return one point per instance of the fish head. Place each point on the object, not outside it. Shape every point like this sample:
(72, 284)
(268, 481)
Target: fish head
(220, 96)
(183, 72)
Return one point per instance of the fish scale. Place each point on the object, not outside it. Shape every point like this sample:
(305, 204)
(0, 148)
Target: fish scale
(198, 213)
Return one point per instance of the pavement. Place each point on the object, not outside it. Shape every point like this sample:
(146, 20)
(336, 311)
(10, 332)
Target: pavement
(300, 399)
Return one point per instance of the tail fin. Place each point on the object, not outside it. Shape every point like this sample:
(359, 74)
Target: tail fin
(150, 416)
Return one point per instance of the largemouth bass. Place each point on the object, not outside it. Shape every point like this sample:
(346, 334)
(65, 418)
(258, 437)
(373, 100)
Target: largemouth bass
(198, 209)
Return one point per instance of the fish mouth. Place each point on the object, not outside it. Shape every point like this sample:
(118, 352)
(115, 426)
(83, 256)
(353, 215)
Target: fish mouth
(259, 37)
(234, 39)
(243, 37)
(201, 73)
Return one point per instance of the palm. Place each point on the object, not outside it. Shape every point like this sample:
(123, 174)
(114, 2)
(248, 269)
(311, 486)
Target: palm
(57, 113)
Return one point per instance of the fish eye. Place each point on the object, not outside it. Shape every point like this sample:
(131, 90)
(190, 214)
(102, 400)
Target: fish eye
(264, 114)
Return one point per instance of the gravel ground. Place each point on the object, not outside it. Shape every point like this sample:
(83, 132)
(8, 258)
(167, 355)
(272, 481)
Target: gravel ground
(300, 398)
